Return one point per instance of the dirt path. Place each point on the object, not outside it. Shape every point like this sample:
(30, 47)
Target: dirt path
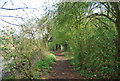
(62, 69)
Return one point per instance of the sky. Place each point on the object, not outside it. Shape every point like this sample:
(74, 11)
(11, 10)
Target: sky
(36, 10)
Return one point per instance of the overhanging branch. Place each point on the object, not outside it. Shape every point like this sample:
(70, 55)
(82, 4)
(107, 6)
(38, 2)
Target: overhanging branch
(16, 8)
(9, 22)
(11, 16)
(96, 14)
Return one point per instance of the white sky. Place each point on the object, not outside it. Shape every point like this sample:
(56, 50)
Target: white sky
(27, 14)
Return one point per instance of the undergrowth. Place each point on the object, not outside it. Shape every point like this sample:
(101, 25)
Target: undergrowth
(44, 65)
(40, 68)
(88, 72)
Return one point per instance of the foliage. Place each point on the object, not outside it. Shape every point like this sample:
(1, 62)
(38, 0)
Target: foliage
(91, 41)
(20, 50)
(43, 66)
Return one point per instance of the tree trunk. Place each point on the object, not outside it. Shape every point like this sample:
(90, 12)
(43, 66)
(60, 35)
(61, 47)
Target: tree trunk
(115, 7)
(118, 41)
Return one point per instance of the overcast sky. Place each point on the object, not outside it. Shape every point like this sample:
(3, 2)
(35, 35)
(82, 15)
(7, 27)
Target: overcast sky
(37, 9)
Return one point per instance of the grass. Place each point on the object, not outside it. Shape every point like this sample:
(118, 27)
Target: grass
(44, 65)
(40, 67)
(52, 52)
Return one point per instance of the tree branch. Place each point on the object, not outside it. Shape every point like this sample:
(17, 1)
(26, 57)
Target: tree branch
(16, 8)
(96, 14)
(105, 24)
(9, 22)
(109, 8)
(11, 16)
(3, 4)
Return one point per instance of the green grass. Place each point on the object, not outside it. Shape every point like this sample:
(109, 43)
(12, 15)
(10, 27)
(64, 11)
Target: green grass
(52, 52)
(43, 66)
(46, 62)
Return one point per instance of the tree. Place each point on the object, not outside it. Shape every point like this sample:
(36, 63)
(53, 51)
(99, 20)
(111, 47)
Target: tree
(113, 14)
(20, 50)
(89, 35)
